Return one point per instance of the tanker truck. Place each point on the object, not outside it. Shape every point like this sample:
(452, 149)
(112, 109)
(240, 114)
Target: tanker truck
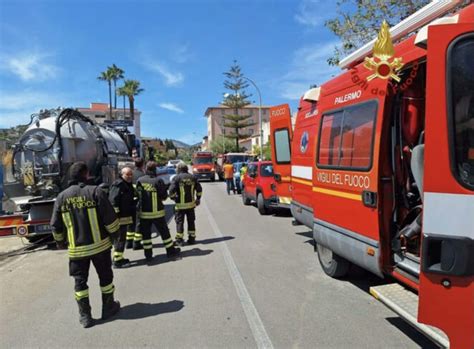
(37, 166)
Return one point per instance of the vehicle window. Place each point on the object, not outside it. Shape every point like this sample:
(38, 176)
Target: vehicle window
(266, 170)
(252, 169)
(282, 146)
(461, 106)
(202, 160)
(346, 138)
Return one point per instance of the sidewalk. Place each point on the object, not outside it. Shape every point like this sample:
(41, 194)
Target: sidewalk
(12, 243)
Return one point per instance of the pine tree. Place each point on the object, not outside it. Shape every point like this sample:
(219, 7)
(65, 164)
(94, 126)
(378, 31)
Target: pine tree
(235, 101)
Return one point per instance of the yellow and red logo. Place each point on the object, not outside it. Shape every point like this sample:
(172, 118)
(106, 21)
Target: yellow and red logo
(381, 64)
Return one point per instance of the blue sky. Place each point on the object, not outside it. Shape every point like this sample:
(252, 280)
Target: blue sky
(51, 53)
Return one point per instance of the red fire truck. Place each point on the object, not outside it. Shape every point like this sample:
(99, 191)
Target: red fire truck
(382, 168)
(203, 165)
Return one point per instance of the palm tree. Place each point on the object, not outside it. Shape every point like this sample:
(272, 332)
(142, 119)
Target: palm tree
(131, 88)
(116, 73)
(107, 76)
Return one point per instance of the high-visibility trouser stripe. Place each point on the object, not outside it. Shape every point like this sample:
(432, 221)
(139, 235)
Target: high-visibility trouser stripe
(125, 220)
(151, 215)
(179, 235)
(113, 227)
(108, 289)
(154, 202)
(137, 237)
(185, 206)
(116, 209)
(181, 193)
(81, 294)
(58, 236)
(168, 242)
(89, 250)
(130, 235)
(199, 194)
(94, 224)
(70, 228)
(147, 244)
(192, 233)
(118, 256)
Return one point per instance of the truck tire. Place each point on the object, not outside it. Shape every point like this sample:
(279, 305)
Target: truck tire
(262, 209)
(333, 265)
(245, 199)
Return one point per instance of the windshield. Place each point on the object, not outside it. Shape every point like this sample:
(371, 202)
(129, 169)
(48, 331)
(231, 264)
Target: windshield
(202, 160)
(238, 158)
(266, 170)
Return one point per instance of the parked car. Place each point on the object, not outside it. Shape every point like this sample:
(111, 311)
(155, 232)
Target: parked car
(174, 163)
(166, 174)
(259, 185)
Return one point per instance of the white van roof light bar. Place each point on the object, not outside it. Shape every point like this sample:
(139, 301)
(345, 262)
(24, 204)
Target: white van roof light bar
(424, 15)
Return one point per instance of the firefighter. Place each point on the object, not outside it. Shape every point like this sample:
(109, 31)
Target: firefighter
(134, 238)
(122, 197)
(186, 191)
(151, 211)
(84, 220)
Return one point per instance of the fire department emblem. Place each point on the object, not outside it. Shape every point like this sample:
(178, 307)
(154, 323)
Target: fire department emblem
(380, 63)
(304, 142)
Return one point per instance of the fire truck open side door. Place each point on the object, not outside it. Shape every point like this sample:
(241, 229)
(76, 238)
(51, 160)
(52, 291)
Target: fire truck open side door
(281, 134)
(446, 293)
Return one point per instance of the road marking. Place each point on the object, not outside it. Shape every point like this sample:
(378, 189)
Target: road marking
(255, 323)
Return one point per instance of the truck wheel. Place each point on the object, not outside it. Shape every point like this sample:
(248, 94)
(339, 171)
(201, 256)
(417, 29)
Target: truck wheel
(333, 265)
(245, 199)
(262, 209)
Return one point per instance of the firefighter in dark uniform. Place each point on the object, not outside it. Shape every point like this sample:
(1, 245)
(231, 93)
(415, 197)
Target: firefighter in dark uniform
(134, 238)
(84, 220)
(122, 197)
(186, 191)
(151, 211)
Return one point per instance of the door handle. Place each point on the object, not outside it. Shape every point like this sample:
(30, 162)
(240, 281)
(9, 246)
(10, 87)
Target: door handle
(369, 198)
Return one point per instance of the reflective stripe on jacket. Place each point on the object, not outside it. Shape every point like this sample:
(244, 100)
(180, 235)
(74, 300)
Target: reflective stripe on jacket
(83, 215)
(184, 190)
(151, 193)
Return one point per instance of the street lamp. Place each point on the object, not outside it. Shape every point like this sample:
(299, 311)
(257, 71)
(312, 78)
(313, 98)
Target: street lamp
(259, 114)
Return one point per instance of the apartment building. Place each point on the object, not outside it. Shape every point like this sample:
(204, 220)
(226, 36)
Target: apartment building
(215, 123)
(99, 112)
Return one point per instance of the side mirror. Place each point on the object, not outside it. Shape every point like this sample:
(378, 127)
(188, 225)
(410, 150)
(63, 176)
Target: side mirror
(277, 177)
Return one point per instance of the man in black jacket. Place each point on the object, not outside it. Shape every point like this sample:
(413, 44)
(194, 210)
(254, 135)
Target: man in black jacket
(83, 220)
(151, 211)
(186, 191)
(122, 197)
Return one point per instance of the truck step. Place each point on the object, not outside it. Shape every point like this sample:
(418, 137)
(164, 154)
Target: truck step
(405, 303)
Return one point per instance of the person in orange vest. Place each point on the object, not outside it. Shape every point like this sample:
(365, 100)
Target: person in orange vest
(229, 177)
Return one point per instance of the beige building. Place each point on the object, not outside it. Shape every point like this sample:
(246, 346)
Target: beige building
(99, 112)
(215, 123)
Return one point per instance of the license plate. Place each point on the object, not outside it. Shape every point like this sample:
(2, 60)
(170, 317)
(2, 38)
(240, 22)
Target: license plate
(42, 228)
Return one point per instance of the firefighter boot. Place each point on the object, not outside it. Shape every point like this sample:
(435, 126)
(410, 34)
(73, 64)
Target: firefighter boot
(179, 242)
(148, 255)
(85, 317)
(110, 307)
(173, 252)
(191, 240)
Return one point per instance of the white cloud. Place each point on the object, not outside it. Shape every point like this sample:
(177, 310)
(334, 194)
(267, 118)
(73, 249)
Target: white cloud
(16, 108)
(313, 13)
(309, 66)
(29, 66)
(171, 107)
(171, 78)
(182, 54)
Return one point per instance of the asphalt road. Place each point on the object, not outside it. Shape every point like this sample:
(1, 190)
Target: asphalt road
(251, 281)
